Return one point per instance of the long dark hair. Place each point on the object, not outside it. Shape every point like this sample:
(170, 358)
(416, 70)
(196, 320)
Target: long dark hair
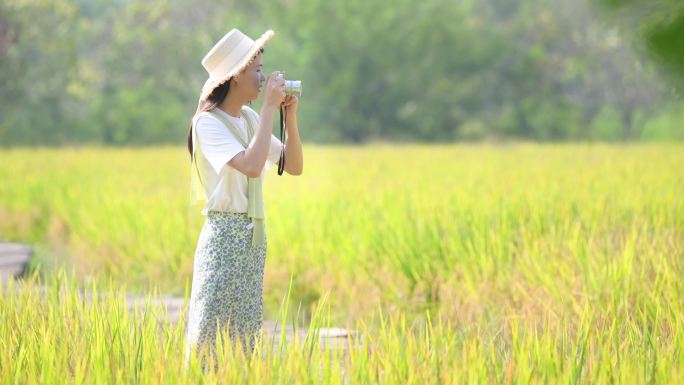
(215, 98)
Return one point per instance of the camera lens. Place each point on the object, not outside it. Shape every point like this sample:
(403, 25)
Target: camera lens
(293, 87)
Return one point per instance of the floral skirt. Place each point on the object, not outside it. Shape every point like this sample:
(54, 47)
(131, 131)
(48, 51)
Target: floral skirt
(227, 284)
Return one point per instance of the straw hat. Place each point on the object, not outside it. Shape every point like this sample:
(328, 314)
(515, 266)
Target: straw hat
(229, 56)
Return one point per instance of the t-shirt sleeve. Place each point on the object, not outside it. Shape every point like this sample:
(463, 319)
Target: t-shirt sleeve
(273, 152)
(218, 144)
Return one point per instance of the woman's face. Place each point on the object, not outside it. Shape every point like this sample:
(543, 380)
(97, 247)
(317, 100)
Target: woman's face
(252, 78)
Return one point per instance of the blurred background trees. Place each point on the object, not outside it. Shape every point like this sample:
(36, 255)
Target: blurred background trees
(129, 73)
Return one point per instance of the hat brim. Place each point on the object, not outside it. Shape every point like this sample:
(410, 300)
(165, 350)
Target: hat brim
(211, 83)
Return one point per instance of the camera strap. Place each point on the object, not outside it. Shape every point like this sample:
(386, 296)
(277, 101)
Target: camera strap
(281, 161)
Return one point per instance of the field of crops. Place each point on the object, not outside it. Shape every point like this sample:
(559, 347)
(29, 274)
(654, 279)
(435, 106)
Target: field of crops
(512, 263)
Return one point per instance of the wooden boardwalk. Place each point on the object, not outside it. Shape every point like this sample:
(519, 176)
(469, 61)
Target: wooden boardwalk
(14, 258)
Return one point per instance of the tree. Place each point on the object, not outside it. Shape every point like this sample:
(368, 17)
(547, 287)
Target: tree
(660, 24)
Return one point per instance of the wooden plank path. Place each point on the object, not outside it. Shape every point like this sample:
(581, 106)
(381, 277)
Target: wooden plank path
(14, 258)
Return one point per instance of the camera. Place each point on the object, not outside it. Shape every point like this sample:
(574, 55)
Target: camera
(292, 87)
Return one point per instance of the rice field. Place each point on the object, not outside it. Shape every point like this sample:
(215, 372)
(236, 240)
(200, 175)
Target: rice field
(493, 263)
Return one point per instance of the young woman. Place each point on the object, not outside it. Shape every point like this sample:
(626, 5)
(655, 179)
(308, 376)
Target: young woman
(230, 145)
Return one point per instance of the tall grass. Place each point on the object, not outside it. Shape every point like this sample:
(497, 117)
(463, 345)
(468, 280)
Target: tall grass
(58, 337)
(513, 263)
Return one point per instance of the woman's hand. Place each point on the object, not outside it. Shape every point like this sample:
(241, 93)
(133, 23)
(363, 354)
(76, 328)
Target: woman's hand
(290, 103)
(274, 91)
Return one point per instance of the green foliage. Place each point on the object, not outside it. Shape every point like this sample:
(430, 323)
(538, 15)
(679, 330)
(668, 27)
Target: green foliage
(663, 126)
(35, 69)
(129, 73)
(660, 24)
(607, 124)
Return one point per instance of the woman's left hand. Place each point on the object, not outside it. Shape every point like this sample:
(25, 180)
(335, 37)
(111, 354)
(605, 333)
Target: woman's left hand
(290, 104)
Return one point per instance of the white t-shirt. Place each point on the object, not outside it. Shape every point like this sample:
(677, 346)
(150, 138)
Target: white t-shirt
(225, 187)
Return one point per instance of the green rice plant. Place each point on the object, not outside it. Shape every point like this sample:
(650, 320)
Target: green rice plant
(512, 263)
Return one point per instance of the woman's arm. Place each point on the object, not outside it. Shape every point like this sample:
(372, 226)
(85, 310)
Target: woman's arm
(251, 161)
(294, 162)
(294, 159)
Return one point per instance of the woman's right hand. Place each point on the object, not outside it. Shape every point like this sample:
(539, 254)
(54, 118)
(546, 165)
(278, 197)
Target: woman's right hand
(274, 90)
